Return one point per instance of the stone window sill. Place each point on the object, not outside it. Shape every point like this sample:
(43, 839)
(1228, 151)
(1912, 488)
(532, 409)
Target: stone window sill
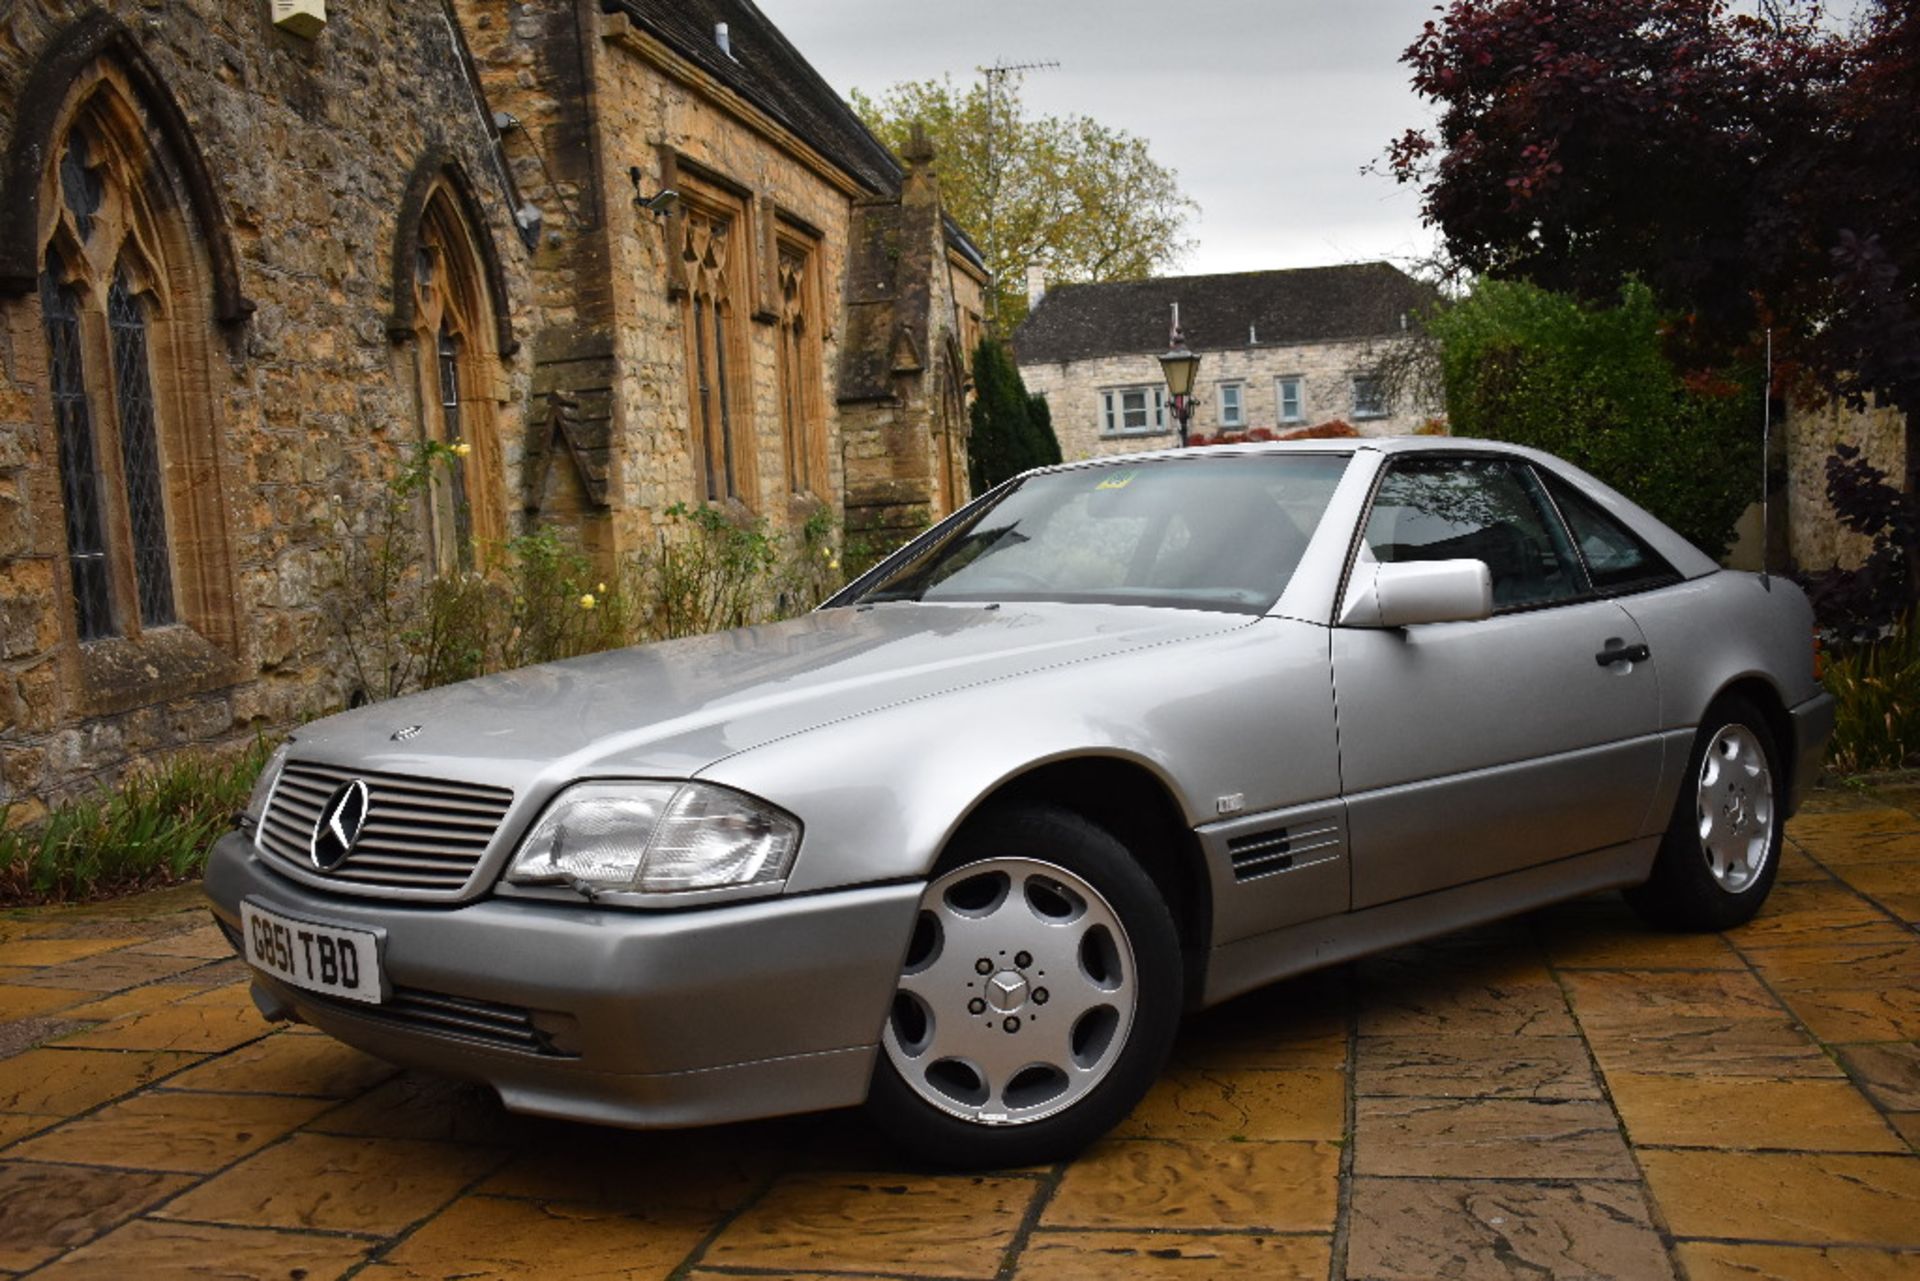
(118, 673)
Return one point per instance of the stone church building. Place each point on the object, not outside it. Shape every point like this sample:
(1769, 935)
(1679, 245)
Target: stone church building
(1279, 351)
(246, 269)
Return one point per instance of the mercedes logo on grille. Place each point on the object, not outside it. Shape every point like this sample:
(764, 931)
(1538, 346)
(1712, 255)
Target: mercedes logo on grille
(339, 824)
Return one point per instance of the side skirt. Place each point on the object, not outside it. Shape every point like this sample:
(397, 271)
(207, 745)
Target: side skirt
(1241, 966)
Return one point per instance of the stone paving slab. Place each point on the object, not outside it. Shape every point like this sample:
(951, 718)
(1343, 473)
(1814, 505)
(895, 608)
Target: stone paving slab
(1567, 1096)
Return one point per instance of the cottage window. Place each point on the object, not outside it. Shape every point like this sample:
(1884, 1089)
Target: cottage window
(1370, 396)
(457, 369)
(1291, 393)
(1133, 411)
(1232, 408)
(123, 313)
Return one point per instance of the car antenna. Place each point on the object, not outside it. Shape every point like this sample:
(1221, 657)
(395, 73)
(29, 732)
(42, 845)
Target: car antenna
(1766, 449)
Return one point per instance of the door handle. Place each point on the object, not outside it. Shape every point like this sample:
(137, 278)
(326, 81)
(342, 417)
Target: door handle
(1615, 652)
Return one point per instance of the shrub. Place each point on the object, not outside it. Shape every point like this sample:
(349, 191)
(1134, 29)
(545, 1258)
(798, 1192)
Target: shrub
(1332, 429)
(1876, 689)
(1595, 386)
(1857, 605)
(153, 829)
(1011, 430)
(542, 597)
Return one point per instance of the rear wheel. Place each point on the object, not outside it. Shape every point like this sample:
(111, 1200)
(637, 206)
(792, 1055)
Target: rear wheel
(1721, 852)
(1038, 1000)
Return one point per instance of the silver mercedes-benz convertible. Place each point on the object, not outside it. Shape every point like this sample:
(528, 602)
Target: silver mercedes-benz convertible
(1118, 740)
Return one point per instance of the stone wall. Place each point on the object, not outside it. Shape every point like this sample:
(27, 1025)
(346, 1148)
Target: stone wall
(309, 146)
(658, 112)
(1817, 539)
(312, 386)
(1073, 391)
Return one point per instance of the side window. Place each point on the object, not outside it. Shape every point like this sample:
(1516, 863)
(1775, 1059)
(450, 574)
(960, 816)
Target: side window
(1618, 561)
(1486, 509)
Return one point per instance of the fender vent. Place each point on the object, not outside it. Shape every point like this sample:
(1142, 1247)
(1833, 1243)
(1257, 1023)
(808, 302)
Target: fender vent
(1280, 848)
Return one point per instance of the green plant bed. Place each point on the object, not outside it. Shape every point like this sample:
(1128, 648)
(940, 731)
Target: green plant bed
(153, 829)
(1876, 689)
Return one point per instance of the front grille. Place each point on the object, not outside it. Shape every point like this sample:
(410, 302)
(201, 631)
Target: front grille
(423, 836)
(458, 1018)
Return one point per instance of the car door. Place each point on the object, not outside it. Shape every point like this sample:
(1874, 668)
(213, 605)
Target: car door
(1471, 749)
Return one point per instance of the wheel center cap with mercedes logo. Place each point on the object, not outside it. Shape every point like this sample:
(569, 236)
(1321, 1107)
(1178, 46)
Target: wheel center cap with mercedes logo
(339, 824)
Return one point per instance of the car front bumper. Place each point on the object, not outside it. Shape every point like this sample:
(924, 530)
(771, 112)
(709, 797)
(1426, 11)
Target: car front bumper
(669, 1018)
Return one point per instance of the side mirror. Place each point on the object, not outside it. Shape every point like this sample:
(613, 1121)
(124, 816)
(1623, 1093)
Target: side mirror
(1420, 591)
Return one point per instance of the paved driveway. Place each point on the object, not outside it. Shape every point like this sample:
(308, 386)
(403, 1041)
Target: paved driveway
(1564, 1096)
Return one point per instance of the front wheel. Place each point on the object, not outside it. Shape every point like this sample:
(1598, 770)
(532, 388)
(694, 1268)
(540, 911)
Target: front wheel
(1722, 849)
(1038, 999)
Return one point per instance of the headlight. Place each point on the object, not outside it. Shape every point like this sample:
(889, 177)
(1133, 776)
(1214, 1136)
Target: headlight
(263, 785)
(656, 838)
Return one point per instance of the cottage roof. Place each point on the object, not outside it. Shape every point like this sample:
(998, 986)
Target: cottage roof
(1301, 305)
(770, 73)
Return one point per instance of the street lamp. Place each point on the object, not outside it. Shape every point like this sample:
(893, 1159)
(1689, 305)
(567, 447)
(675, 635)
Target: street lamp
(1179, 367)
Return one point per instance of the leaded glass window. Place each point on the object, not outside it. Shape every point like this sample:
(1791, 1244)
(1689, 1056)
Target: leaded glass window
(140, 454)
(131, 420)
(457, 369)
(80, 183)
(449, 366)
(799, 366)
(709, 315)
(79, 474)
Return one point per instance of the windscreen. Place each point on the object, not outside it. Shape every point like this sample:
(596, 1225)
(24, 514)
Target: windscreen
(1222, 533)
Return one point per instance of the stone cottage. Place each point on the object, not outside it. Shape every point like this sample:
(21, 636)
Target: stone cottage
(245, 270)
(1279, 350)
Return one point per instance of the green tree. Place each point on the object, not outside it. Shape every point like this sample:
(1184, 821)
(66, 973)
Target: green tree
(1012, 430)
(1067, 193)
(1594, 384)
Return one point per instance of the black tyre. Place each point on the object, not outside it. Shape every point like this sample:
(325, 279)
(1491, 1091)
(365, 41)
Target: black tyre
(1722, 849)
(1038, 1000)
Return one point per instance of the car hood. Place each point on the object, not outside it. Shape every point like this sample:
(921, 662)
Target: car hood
(673, 708)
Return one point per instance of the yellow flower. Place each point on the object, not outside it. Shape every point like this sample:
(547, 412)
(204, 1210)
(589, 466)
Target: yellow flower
(587, 601)
(600, 587)
(462, 449)
(834, 563)
(826, 553)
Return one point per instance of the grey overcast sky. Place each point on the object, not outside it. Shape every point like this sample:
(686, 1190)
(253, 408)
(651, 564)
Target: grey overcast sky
(1269, 109)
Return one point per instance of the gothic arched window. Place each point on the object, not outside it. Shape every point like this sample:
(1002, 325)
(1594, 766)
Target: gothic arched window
(716, 351)
(453, 322)
(123, 295)
(801, 382)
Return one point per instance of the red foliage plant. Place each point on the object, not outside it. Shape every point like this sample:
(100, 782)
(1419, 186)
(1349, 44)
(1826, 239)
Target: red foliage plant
(1757, 171)
(1332, 429)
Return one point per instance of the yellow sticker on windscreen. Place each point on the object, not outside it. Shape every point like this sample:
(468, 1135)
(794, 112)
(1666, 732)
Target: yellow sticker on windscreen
(1117, 482)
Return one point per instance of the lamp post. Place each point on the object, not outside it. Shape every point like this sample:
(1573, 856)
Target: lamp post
(1179, 366)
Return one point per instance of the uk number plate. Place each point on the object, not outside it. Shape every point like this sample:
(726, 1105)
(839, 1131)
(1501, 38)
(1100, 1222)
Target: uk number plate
(320, 958)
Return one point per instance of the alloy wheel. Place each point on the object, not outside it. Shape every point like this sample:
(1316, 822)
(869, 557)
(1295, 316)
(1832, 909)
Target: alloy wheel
(1017, 995)
(1735, 807)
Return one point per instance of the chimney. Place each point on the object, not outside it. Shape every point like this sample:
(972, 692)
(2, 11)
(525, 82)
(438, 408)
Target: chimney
(721, 38)
(1036, 284)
